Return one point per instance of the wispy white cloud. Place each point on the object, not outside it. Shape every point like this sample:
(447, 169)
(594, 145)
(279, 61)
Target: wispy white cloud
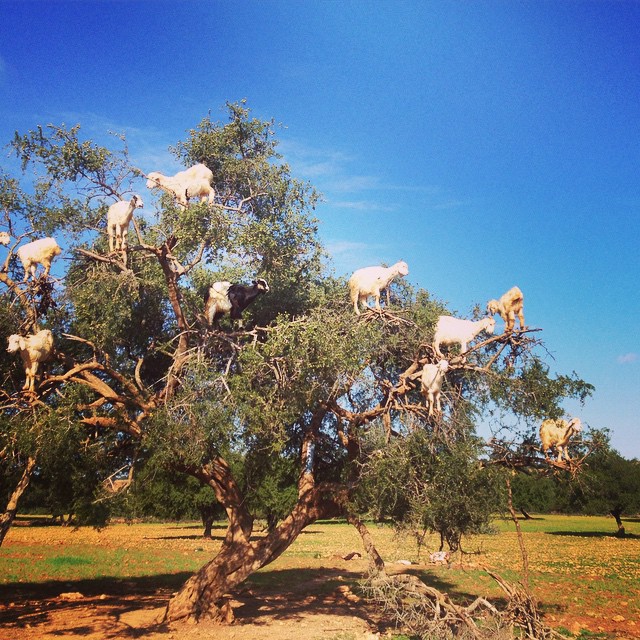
(330, 170)
(335, 175)
(626, 358)
(347, 255)
(340, 247)
(360, 205)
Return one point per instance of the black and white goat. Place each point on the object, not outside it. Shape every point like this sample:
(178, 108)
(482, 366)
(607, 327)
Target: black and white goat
(225, 297)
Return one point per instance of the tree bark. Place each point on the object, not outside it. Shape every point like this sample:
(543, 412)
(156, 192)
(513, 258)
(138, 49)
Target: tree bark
(376, 563)
(616, 512)
(208, 514)
(523, 548)
(203, 595)
(7, 518)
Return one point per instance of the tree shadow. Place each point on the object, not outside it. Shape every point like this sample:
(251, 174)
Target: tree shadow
(595, 534)
(186, 537)
(35, 604)
(130, 608)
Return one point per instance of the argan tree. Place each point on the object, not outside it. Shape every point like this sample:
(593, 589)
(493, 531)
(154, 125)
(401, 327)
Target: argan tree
(274, 417)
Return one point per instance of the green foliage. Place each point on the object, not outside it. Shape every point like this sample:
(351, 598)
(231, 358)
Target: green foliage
(428, 486)
(164, 494)
(278, 240)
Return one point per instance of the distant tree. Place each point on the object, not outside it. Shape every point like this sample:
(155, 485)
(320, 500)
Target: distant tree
(535, 493)
(425, 485)
(609, 485)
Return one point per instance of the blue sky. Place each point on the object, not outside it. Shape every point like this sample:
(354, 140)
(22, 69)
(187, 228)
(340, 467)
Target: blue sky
(486, 143)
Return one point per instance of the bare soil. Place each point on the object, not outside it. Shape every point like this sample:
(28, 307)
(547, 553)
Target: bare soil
(100, 609)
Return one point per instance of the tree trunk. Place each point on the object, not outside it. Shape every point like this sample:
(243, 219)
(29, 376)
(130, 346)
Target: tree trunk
(376, 563)
(616, 512)
(525, 514)
(7, 518)
(523, 548)
(203, 595)
(208, 513)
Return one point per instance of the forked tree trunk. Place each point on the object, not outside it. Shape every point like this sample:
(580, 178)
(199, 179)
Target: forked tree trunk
(7, 518)
(202, 596)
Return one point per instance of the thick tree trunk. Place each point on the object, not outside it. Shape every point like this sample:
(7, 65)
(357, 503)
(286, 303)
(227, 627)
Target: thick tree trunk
(7, 518)
(203, 595)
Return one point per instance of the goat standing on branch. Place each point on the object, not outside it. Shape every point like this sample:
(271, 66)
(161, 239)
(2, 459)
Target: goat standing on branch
(370, 281)
(450, 330)
(224, 297)
(193, 182)
(42, 252)
(118, 218)
(33, 350)
(432, 378)
(510, 304)
(556, 433)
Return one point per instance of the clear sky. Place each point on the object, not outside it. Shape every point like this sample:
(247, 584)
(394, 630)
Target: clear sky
(486, 143)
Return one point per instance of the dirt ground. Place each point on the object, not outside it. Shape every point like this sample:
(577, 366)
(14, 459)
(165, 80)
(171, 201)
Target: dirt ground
(130, 609)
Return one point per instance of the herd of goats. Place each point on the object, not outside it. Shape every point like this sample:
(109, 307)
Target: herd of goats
(226, 298)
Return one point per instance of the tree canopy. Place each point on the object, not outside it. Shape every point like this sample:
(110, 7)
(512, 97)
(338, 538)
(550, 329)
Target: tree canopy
(296, 416)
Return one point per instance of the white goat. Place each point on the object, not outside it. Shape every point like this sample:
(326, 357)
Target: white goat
(33, 349)
(118, 218)
(42, 252)
(217, 302)
(193, 182)
(432, 378)
(5, 238)
(556, 433)
(510, 304)
(450, 330)
(370, 281)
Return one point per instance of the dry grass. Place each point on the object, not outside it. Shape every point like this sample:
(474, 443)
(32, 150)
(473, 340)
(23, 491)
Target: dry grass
(585, 579)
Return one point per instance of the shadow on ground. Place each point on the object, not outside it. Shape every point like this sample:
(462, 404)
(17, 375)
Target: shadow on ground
(594, 534)
(130, 608)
